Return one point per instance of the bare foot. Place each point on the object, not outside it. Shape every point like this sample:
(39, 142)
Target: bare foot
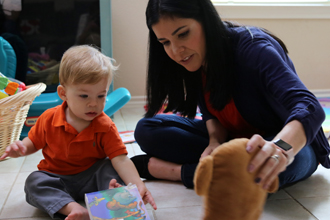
(74, 211)
(113, 184)
(162, 169)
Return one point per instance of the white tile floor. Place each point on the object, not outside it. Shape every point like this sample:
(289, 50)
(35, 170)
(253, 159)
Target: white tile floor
(306, 200)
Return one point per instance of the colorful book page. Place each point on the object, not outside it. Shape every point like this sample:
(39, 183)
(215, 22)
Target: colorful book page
(118, 203)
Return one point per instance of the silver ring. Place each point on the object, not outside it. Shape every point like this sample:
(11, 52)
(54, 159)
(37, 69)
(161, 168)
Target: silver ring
(276, 157)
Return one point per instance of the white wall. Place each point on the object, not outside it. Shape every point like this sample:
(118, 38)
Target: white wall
(130, 38)
(308, 41)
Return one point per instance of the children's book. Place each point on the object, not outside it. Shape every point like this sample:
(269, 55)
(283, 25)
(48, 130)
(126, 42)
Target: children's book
(127, 136)
(325, 102)
(116, 204)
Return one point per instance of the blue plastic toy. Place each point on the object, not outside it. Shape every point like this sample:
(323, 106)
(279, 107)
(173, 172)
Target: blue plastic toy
(7, 59)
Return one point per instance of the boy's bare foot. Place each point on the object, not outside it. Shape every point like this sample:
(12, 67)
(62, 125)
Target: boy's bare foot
(74, 211)
(162, 169)
(113, 184)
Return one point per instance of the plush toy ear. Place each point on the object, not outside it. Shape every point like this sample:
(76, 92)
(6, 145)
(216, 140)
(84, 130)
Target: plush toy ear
(203, 175)
(274, 187)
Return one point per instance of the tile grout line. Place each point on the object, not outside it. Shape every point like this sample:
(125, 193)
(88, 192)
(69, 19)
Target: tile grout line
(154, 214)
(134, 154)
(122, 117)
(301, 204)
(11, 188)
(131, 145)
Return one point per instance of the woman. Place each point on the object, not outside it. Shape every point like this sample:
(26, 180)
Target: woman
(245, 86)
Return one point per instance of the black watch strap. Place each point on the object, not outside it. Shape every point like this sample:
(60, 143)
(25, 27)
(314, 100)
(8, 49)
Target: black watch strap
(282, 144)
(287, 150)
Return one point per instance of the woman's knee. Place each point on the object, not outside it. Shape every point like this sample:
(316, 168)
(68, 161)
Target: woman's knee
(304, 165)
(143, 133)
(139, 129)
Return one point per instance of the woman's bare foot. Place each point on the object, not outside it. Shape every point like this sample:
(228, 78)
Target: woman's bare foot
(162, 169)
(113, 184)
(74, 211)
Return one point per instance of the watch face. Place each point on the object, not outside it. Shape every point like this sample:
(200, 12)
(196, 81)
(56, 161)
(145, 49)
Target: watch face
(282, 144)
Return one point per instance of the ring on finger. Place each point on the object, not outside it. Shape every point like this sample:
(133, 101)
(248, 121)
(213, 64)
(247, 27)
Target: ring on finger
(276, 157)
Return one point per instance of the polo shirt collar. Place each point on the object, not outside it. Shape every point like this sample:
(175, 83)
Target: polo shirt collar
(59, 116)
(99, 124)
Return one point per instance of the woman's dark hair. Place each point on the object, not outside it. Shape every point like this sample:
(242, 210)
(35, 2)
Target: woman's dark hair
(168, 81)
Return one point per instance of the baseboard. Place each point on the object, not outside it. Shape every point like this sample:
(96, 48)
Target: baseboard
(136, 101)
(321, 92)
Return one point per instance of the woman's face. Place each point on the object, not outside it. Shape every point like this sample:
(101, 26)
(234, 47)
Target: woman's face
(183, 40)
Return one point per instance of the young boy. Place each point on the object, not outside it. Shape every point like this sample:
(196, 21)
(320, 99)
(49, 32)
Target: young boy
(81, 145)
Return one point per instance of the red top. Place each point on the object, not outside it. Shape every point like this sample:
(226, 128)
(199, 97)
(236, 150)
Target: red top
(68, 152)
(231, 119)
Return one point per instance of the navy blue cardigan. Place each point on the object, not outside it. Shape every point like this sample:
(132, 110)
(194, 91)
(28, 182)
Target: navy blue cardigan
(268, 92)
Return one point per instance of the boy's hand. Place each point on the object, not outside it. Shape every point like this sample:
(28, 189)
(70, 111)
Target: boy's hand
(128, 173)
(146, 196)
(16, 149)
(113, 184)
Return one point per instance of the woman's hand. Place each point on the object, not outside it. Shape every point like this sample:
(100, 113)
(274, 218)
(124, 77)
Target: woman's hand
(217, 134)
(270, 161)
(209, 150)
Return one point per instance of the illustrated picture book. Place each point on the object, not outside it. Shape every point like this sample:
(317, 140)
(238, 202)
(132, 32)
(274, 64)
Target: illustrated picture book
(116, 204)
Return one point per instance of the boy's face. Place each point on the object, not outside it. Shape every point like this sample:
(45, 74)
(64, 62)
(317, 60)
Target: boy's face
(85, 101)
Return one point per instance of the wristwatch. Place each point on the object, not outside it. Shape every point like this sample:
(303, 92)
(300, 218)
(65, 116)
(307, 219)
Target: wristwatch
(287, 150)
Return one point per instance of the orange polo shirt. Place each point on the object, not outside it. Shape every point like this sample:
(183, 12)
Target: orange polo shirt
(68, 152)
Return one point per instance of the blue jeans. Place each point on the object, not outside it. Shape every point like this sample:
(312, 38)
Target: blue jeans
(181, 140)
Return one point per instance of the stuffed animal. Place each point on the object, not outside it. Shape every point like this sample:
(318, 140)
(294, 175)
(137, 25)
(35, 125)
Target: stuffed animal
(229, 190)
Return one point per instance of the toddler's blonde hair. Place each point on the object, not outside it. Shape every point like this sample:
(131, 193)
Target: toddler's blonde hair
(85, 64)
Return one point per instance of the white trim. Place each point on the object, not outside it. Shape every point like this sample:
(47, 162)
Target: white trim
(136, 101)
(321, 92)
(273, 11)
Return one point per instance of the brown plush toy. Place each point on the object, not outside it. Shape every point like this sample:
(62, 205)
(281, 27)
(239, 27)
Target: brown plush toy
(229, 190)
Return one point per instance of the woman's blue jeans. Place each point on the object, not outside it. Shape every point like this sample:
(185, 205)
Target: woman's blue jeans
(182, 141)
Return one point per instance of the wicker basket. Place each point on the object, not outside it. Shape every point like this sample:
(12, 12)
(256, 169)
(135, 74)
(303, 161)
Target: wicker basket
(13, 112)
